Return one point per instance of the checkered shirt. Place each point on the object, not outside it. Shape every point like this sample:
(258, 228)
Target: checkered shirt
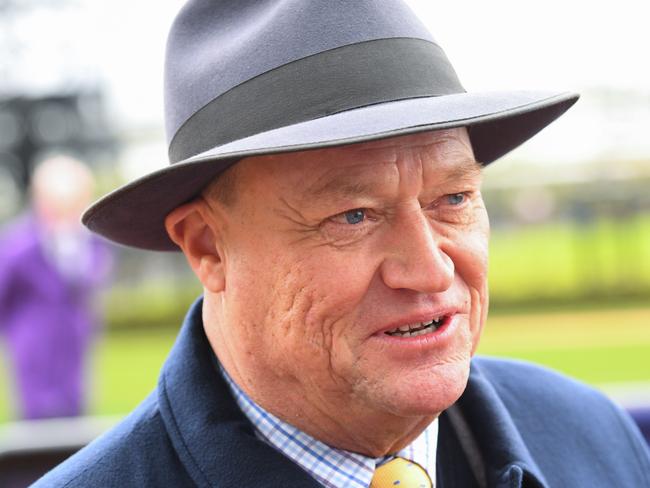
(331, 467)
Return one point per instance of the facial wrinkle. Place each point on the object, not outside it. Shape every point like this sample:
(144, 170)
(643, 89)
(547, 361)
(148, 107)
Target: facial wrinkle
(301, 226)
(350, 181)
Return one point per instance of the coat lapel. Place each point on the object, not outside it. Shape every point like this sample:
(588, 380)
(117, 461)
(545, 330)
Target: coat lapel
(508, 461)
(213, 439)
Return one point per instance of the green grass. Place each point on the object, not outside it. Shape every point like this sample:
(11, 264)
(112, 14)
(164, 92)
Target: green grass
(596, 365)
(595, 346)
(127, 367)
(603, 346)
(563, 263)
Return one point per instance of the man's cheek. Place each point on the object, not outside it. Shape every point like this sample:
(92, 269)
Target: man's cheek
(472, 266)
(299, 315)
(322, 331)
(479, 297)
(473, 257)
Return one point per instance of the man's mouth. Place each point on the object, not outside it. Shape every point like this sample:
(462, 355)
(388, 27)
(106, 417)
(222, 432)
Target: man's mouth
(417, 329)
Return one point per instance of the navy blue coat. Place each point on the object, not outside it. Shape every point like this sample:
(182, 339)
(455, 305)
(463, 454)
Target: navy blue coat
(533, 427)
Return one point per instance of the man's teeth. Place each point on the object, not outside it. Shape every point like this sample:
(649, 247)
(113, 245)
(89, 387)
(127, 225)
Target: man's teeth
(414, 330)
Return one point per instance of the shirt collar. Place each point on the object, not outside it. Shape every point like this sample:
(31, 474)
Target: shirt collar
(332, 467)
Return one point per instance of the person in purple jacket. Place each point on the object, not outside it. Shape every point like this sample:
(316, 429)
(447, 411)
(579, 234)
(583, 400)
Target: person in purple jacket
(50, 268)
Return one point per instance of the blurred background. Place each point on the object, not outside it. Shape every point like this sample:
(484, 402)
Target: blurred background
(570, 211)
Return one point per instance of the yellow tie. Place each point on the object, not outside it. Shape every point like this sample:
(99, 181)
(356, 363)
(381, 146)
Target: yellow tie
(400, 473)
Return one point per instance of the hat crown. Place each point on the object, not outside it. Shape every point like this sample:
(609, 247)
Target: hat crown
(213, 46)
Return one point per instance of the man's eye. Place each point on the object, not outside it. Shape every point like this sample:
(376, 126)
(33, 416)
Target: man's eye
(351, 217)
(456, 198)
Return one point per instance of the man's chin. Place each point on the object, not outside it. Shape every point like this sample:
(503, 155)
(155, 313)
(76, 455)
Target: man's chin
(428, 396)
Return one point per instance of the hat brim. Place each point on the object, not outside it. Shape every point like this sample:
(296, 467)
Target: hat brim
(134, 214)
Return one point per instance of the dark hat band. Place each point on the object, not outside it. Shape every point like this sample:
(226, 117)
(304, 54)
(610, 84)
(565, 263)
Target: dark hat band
(345, 78)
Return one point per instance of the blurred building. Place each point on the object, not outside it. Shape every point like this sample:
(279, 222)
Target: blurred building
(34, 127)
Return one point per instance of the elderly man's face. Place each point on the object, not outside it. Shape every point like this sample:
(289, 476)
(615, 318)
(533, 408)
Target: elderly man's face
(356, 276)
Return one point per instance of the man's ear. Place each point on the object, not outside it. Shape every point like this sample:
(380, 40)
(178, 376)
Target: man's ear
(192, 229)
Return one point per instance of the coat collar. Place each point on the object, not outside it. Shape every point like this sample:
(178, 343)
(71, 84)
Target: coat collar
(507, 459)
(215, 441)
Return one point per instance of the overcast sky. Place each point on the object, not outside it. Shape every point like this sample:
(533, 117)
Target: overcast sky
(565, 45)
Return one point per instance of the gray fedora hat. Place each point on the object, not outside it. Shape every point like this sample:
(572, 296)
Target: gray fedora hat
(253, 77)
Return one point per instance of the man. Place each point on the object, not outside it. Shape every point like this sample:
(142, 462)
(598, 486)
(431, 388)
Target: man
(50, 267)
(325, 189)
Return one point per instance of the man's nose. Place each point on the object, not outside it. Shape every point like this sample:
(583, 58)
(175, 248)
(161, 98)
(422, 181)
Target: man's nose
(415, 258)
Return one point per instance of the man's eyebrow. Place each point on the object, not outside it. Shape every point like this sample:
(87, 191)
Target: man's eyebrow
(468, 169)
(341, 185)
(350, 182)
(344, 185)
